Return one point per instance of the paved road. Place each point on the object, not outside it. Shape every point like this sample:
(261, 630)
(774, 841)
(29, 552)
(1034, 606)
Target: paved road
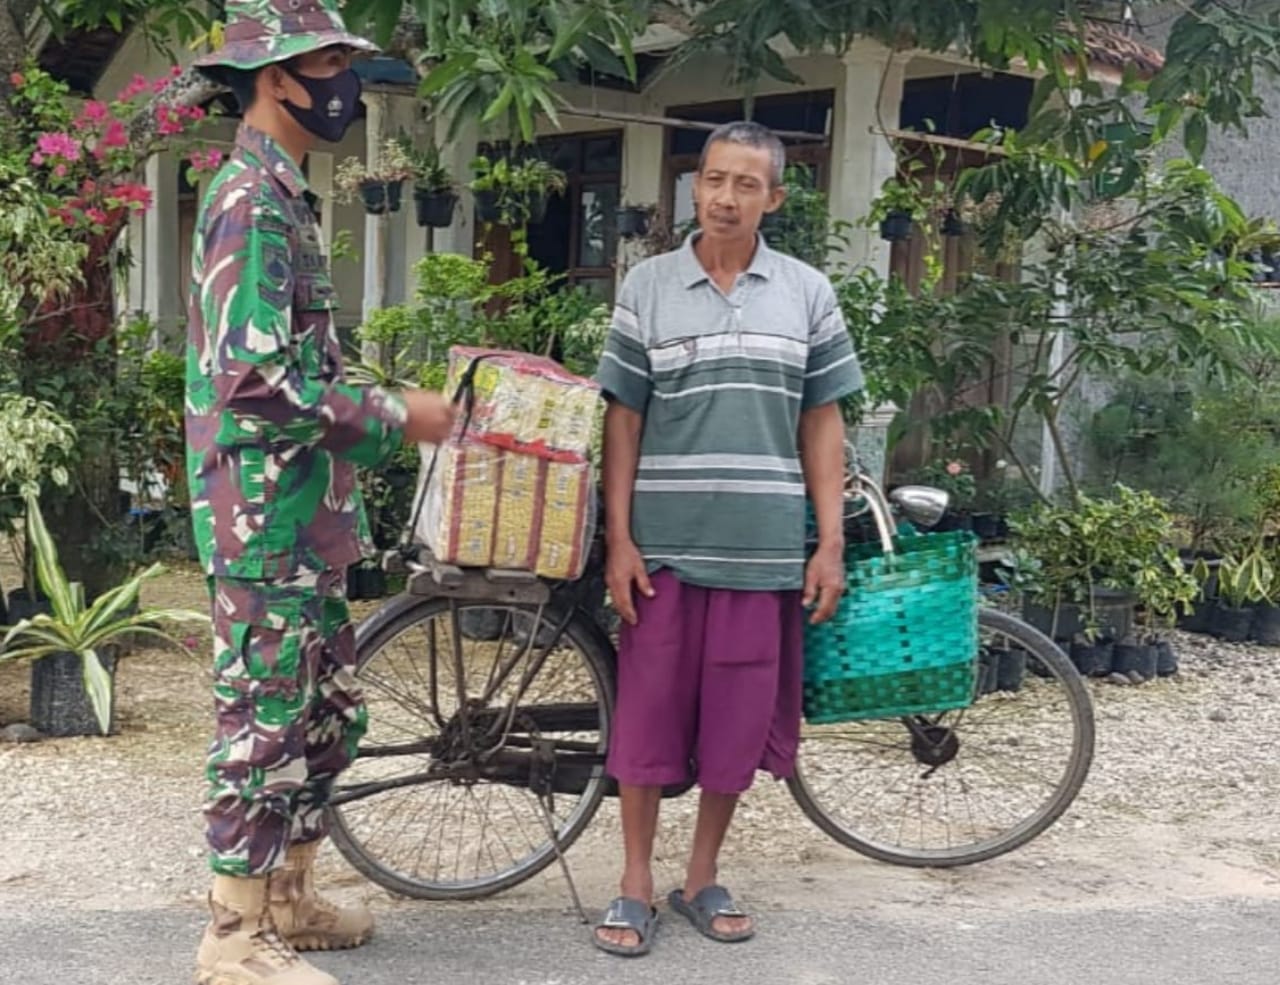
(1236, 942)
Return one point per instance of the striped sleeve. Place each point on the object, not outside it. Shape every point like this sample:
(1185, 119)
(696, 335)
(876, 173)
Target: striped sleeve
(832, 371)
(624, 372)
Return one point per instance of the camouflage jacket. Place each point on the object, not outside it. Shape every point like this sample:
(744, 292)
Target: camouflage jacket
(274, 433)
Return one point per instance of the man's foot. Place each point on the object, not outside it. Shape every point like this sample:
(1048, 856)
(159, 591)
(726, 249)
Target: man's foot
(713, 912)
(636, 888)
(241, 945)
(308, 921)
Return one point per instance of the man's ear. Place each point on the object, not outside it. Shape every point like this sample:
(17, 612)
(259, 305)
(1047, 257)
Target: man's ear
(271, 83)
(777, 195)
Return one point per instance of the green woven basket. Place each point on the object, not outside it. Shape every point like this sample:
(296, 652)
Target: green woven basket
(904, 640)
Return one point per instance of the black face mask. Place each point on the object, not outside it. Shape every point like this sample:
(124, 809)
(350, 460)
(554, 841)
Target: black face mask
(334, 104)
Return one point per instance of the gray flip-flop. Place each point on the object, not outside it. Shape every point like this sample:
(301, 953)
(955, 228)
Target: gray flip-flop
(703, 909)
(627, 914)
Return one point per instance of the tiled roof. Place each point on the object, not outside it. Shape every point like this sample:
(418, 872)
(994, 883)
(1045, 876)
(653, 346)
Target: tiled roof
(1107, 46)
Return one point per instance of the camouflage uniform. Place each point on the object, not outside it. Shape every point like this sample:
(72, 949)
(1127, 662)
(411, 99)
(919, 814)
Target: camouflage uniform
(274, 436)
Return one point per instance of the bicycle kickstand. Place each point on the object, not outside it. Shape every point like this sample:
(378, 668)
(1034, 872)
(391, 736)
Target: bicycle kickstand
(545, 793)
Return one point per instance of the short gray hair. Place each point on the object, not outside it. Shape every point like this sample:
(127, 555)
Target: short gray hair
(750, 134)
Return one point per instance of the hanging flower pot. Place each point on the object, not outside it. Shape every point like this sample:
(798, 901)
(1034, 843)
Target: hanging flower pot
(435, 207)
(896, 226)
(381, 197)
(536, 206)
(488, 205)
(633, 221)
(952, 225)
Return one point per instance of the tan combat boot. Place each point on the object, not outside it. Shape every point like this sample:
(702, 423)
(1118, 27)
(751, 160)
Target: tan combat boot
(242, 946)
(310, 922)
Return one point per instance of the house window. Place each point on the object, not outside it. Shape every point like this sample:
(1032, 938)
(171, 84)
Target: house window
(579, 236)
(805, 112)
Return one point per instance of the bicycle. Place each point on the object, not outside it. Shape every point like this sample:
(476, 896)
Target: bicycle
(517, 743)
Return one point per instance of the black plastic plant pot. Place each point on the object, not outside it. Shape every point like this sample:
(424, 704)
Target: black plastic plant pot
(1266, 625)
(633, 222)
(1012, 670)
(989, 659)
(1166, 659)
(1093, 659)
(60, 706)
(953, 522)
(952, 225)
(375, 582)
(1229, 624)
(380, 197)
(1198, 619)
(488, 207)
(986, 526)
(1135, 658)
(22, 607)
(434, 208)
(896, 227)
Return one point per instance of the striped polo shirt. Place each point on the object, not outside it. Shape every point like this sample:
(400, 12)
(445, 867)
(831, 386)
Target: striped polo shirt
(721, 380)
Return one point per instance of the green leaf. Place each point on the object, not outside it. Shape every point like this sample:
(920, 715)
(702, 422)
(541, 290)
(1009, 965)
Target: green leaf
(500, 105)
(50, 574)
(446, 73)
(97, 684)
(571, 33)
(1196, 135)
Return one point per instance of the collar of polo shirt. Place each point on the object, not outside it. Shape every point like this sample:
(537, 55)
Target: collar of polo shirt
(693, 273)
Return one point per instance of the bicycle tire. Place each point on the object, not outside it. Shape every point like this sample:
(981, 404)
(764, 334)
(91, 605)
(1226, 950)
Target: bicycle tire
(396, 617)
(1052, 657)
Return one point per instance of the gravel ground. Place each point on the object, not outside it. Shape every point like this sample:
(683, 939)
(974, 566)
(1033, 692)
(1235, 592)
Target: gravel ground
(1181, 800)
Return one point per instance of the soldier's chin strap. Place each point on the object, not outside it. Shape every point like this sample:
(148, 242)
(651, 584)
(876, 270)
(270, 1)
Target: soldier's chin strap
(464, 393)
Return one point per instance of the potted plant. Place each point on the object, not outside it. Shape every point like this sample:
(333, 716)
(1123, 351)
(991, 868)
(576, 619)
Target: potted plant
(514, 193)
(1166, 589)
(73, 646)
(999, 495)
(633, 220)
(1243, 580)
(897, 209)
(435, 193)
(380, 188)
(1087, 559)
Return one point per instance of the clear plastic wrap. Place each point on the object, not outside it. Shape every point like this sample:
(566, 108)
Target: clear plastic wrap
(513, 488)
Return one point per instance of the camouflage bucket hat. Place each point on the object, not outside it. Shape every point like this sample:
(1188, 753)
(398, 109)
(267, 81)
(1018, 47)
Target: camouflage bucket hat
(262, 32)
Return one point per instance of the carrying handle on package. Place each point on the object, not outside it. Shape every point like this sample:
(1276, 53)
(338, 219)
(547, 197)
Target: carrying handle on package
(466, 389)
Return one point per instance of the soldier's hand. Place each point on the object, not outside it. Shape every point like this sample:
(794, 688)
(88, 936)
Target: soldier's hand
(430, 417)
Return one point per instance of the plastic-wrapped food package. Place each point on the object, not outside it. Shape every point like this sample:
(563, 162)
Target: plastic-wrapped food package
(524, 403)
(513, 487)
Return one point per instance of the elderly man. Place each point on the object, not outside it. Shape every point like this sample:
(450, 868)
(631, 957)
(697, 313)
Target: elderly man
(723, 370)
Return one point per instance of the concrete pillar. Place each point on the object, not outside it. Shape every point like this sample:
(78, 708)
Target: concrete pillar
(375, 226)
(163, 294)
(861, 159)
(643, 146)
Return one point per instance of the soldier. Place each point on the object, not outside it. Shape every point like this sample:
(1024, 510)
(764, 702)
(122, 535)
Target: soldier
(274, 436)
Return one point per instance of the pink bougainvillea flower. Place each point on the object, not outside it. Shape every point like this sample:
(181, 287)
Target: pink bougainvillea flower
(115, 135)
(37, 158)
(955, 468)
(17, 80)
(61, 145)
(96, 216)
(133, 195)
(60, 171)
(95, 111)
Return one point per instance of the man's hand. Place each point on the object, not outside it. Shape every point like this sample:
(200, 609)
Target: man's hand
(824, 583)
(624, 568)
(430, 417)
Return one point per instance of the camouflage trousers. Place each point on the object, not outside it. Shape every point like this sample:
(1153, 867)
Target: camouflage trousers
(288, 711)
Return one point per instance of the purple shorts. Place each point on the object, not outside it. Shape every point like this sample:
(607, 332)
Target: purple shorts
(709, 687)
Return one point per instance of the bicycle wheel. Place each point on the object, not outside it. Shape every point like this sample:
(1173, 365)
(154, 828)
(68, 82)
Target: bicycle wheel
(463, 775)
(963, 786)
